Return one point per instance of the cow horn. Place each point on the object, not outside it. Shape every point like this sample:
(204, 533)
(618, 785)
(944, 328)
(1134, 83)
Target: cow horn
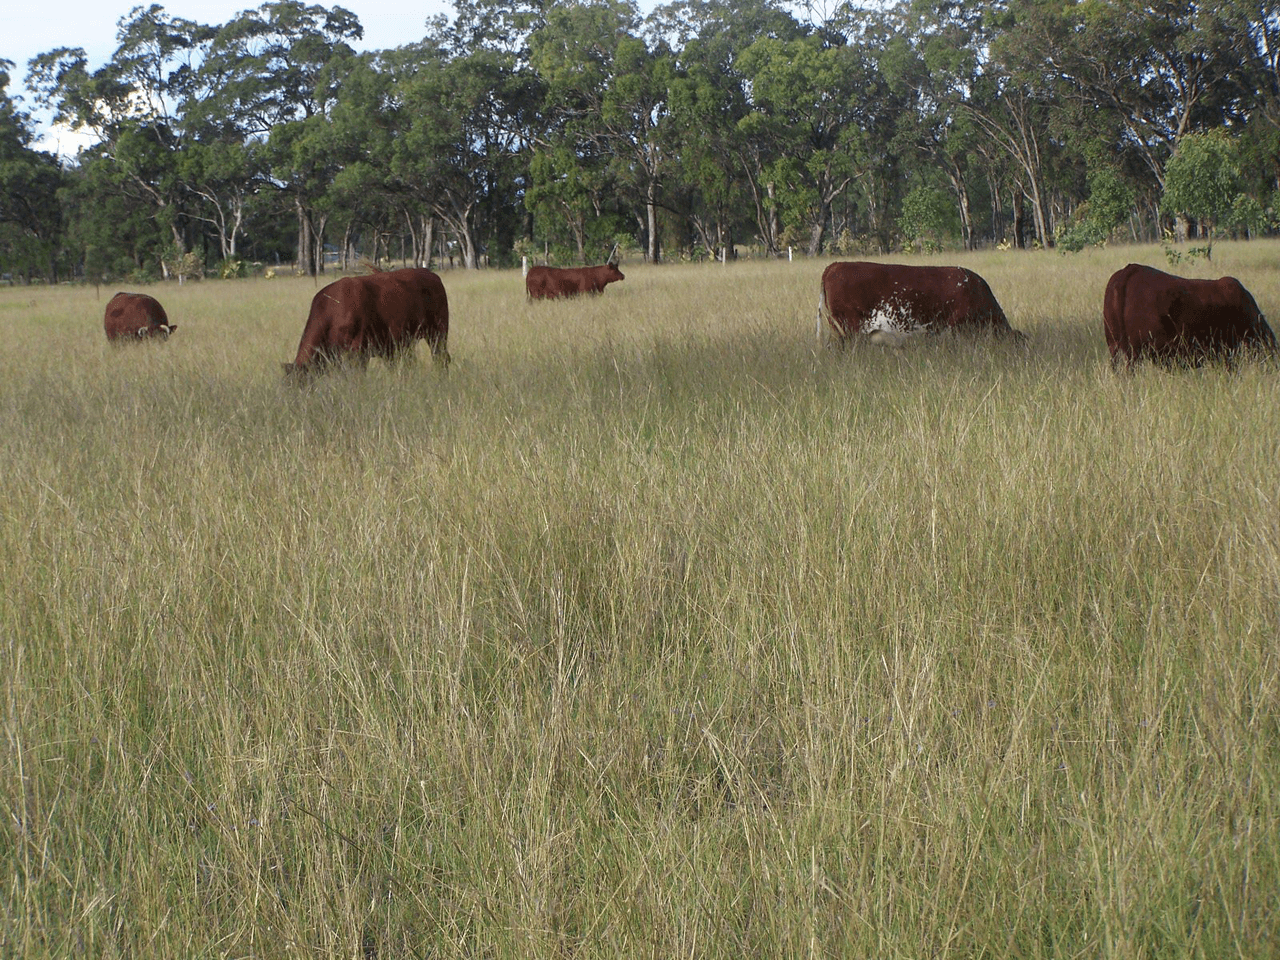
(142, 332)
(613, 255)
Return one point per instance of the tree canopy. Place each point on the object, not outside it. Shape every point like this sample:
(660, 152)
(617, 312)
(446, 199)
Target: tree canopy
(706, 127)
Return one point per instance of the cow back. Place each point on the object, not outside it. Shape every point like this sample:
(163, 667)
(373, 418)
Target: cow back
(379, 314)
(133, 316)
(546, 283)
(862, 297)
(1147, 313)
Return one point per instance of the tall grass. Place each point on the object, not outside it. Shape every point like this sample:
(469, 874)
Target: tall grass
(648, 630)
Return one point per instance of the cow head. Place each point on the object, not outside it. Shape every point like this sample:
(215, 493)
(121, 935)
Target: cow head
(302, 374)
(161, 330)
(612, 272)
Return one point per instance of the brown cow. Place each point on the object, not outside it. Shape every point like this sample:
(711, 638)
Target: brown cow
(376, 315)
(547, 283)
(892, 301)
(1149, 313)
(136, 316)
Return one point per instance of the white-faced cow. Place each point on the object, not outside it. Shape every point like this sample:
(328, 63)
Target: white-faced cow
(548, 283)
(1150, 314)
(892, 301)
(136, 316)
(376, 315)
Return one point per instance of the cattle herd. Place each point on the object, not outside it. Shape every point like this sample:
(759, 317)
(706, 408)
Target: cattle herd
(1147, 313)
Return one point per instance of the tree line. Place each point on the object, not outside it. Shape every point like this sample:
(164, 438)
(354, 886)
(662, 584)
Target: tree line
(559, 129)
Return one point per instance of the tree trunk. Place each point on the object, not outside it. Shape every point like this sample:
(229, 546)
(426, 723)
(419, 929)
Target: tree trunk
(427, 231)
(817, 230)
(318, 235)
(466, 245)
(1039, 217)
(1019, 219)
(305, 245)
(962, 199)
(651, 213)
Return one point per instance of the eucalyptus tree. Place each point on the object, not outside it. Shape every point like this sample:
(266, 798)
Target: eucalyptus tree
(883, 120)
(220, 174)
(930, 133)
(714, 159)
(1255, 25)
(111, 234)
(635, 127)
(970, 56)
(132, 105)
(573, 184)
(364, 201)
(609, 90)
(30, 216)
(463, 133)
(1202, 179)
(804, 95)
(496, 101)
(572, 197)
(434, 147)
(1160, 69)
(1133, 77)
(275, 73)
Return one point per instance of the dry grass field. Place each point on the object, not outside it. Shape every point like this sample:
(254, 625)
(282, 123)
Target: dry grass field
(648, 630)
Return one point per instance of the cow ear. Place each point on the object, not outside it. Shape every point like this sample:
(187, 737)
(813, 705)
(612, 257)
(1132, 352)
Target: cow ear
(172, 327)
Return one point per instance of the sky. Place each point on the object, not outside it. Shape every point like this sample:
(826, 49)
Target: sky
(31, 29)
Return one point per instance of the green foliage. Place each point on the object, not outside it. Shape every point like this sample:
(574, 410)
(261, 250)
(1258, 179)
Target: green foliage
(1175, 254)
(30, 215)
(184, 265)
(708, 122)
(1110, 203)
(848, 245)
(1111, 199)
(1079, 233)
(804, 106)
(1202, 178)
(928, 218)
(1249, 216)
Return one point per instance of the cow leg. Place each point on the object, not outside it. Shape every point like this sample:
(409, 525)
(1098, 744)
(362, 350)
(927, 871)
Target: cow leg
(440, 350)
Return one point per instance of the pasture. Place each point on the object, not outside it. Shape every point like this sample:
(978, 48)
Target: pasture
(649, 629)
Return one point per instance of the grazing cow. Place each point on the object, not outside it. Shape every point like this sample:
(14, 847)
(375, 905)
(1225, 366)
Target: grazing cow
(547, 283)
(376, 315)
(894, 301)
(136, 316)
(1149, 313)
